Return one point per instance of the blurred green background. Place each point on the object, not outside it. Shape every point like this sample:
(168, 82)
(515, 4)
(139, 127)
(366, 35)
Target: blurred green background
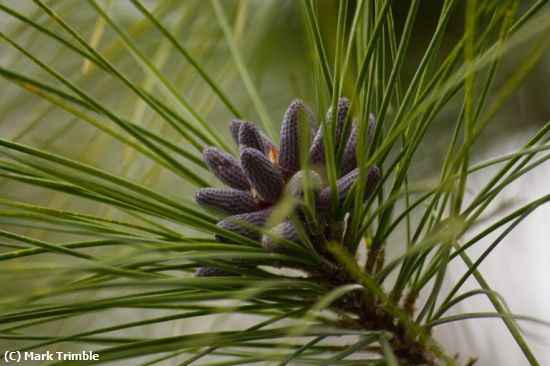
(274, 42)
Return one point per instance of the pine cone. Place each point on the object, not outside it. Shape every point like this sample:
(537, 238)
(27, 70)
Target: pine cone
(262, 175)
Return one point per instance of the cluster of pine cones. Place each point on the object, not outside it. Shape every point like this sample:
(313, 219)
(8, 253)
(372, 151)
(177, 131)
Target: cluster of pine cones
(263, 174)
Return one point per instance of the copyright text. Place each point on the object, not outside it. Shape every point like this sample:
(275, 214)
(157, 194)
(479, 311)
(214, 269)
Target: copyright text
(18, 356)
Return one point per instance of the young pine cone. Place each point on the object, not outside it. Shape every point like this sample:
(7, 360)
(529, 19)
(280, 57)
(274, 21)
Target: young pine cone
(262, 175)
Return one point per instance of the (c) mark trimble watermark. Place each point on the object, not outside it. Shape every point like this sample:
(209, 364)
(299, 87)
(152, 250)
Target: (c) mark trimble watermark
(18, 356)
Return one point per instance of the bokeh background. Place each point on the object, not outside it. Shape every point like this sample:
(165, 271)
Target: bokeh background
(273, 38)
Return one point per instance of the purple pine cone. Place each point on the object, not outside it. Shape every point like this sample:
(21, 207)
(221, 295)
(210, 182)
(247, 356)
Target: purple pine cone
(210, 271)
(341, 115)
(295, 186)
(235, 126)
(262, 174)
(317, 151)
(226, 168)
(298, 117)
(249, 136)
(284, 230)
(344, 184)
(349, 161)
(373, 177)
(240, 224)
(231, 201)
